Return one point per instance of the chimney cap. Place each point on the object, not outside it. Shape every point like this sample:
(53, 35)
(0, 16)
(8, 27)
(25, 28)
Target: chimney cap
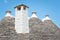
(21, 5)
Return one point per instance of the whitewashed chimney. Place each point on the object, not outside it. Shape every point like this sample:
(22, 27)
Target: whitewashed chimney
(21, 19)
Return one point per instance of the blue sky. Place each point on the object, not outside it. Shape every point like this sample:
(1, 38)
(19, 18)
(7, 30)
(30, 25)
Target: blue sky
(42, 7)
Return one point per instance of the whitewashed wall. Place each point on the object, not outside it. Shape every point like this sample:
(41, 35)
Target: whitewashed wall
(21, 21)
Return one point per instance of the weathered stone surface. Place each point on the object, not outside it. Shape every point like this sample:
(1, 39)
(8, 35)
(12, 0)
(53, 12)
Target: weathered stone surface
(23, 36)
(43, 30)
(7, 28)
(39, 30)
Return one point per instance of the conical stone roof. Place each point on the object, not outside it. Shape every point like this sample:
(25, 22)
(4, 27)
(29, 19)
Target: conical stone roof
(36, 26)
(43, 30)
(38, 30)
(7, 28)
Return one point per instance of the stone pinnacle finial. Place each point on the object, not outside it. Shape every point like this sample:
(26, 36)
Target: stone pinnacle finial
(33, 12)
(34, 15)
(8, 13)
(47, 15)
(46, 18)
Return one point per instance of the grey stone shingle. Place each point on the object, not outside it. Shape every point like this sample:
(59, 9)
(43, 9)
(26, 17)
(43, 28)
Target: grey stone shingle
(39, 30)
